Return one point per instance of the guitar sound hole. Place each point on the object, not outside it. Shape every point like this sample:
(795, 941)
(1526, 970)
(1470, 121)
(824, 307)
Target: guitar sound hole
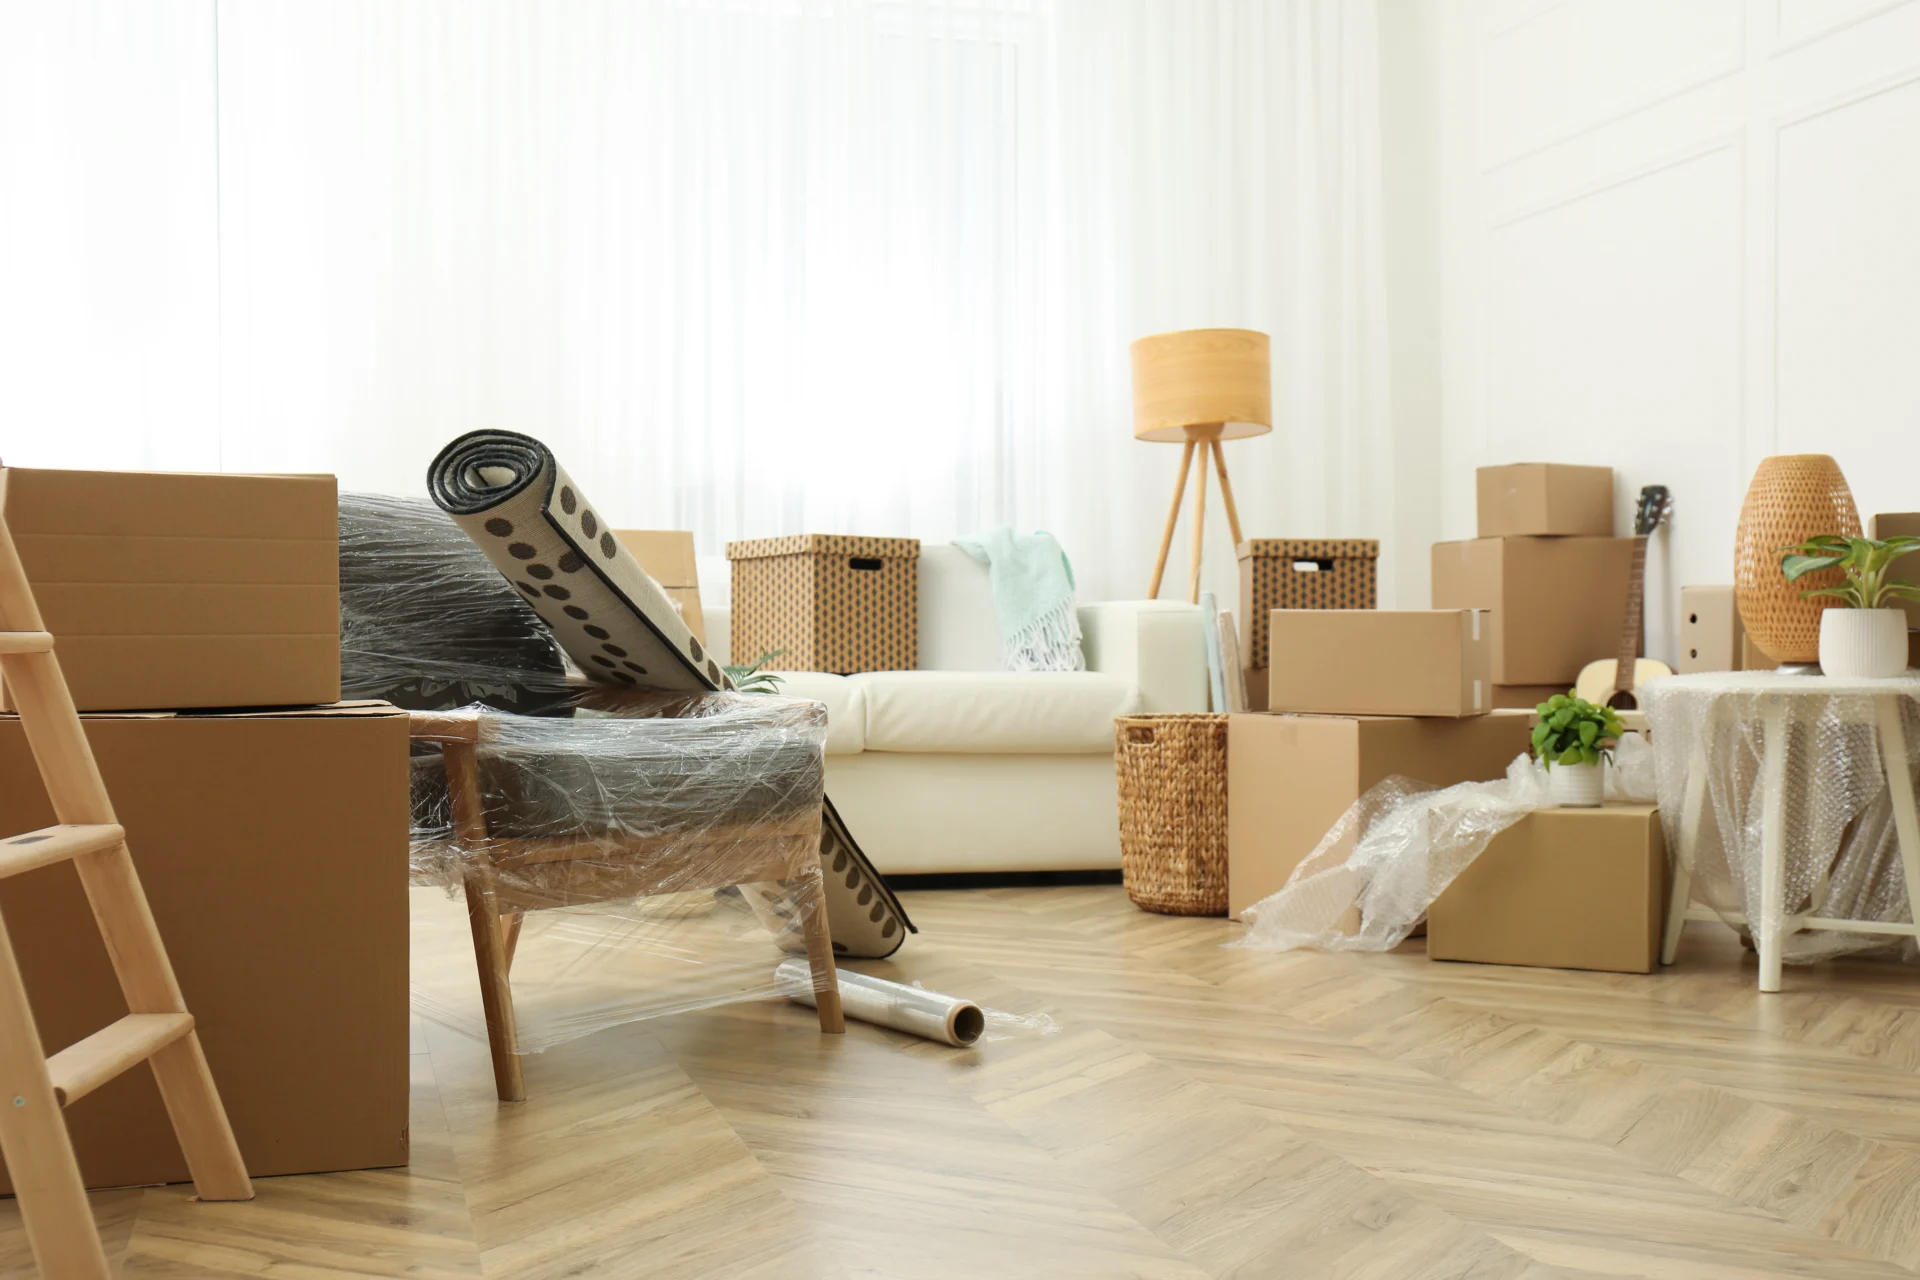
(1623, 700)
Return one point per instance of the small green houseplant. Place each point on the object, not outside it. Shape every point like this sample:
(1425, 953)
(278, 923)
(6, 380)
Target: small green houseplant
(1573, 739)
(753, 677)
(1868, 636)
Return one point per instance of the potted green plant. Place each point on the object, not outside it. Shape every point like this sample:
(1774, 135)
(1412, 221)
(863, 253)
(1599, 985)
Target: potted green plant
(1867, 635)
(1575, 739)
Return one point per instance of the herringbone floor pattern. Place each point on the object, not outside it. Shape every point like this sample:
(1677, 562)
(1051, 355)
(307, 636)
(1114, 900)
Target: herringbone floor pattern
(1201, 1112)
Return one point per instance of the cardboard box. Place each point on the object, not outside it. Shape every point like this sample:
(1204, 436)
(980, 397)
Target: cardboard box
(1257, 682)
(1907, 567)
(1523, 697)
(1560, 889)
(1558, 603)
(273, 848)
(1711, 634)
(827, 603)
(667, 556)
(1544, 498)
(1301, 573)
(1289, 778)
(1414, 662)
(1754, 658)
(165, 590)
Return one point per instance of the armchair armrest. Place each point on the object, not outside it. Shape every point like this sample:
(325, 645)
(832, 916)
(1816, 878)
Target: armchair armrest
(1159, 645)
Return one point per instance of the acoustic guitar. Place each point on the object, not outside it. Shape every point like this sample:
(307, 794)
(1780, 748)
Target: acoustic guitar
(1615, 682)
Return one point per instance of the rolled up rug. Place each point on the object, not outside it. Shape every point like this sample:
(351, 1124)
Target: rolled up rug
(537, 526)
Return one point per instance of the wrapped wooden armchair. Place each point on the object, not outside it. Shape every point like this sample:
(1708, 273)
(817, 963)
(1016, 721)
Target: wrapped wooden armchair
(547, 814)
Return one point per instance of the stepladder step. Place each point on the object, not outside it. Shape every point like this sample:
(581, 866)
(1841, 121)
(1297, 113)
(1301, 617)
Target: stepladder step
(25, 642)
(85, 1065)
(32, 849)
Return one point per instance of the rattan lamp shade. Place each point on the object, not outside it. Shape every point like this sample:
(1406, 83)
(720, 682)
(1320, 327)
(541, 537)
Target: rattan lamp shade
(1201, 378)
(1792, 498)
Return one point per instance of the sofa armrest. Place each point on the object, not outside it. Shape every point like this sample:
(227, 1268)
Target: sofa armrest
(1159, 645)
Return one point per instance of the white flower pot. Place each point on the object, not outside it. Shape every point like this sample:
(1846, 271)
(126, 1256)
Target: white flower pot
(1863, 642)
(1577, 786)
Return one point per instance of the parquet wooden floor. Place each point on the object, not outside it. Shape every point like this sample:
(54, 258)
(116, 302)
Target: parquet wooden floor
(1200, 1112)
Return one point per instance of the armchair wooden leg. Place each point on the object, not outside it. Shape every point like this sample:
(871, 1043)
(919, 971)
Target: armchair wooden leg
(826, 978)
(496, 995)
(490, 948)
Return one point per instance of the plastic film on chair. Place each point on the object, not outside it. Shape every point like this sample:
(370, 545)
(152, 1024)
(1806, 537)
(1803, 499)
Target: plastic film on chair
(647, 856)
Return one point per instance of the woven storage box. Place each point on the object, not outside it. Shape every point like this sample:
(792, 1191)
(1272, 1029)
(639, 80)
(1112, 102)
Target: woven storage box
(1301, 573)
(827, 602)
(1172, 775)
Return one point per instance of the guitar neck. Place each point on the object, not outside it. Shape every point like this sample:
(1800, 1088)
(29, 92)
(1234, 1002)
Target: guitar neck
(1630, 623)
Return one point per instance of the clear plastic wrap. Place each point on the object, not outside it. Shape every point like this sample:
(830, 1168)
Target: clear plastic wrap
(1842, 854)
(645, 859)
(427, 622)
(1372, 877)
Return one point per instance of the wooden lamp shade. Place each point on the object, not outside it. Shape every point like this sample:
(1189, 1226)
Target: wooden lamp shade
(1198, 387)
(1793, 497)
(1187, 382)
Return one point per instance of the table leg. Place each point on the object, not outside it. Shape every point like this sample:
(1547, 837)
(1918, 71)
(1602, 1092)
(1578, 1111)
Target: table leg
(1893, 754)
(1692, 811)
(1769, 930)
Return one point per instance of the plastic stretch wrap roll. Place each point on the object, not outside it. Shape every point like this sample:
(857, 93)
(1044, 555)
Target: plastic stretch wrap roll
(892, 1004)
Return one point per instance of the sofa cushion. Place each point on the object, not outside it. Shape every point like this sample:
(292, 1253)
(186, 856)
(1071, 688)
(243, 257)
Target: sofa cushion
(846, 707)
(1003, 712)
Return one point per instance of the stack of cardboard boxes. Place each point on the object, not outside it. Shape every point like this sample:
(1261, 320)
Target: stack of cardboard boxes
(1547, 567)
(1355, 696)
(196, 618)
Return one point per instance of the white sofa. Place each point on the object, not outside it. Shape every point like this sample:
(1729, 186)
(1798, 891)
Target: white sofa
(962, 766)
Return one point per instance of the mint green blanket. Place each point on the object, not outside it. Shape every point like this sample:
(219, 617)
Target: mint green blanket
(1033, 597)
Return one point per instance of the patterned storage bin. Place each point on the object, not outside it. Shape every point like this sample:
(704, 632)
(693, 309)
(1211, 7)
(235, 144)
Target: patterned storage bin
(1172, 776)
(827, 602)
(1301, 573)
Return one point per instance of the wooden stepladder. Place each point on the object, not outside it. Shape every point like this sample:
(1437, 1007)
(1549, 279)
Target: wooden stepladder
(158, 1029)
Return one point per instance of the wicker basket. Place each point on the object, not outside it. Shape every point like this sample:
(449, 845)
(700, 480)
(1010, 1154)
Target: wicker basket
(1172, 772)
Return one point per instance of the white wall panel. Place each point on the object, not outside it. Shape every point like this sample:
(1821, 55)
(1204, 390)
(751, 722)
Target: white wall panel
(1578, 64)
(1676, 238)
(1848, 324)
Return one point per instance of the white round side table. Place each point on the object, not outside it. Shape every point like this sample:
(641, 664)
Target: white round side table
(1685, 713)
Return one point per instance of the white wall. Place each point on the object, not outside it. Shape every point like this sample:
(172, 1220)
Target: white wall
(1678, 236)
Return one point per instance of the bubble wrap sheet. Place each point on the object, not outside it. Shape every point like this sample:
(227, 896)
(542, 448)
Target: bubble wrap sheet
(651, 861)
(1836, 807)
(1372, 877)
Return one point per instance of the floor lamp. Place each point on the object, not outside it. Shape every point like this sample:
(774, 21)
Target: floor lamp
(1199, 387)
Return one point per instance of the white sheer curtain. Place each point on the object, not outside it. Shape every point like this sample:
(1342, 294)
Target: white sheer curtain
(752, 266)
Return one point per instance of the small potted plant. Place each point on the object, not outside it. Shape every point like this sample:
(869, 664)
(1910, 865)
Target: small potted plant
(1867, 635)
(1575, 740)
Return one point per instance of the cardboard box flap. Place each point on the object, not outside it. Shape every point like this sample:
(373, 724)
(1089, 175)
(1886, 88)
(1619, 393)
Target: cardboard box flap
(183, 504)
(333, 710)
(825, 544)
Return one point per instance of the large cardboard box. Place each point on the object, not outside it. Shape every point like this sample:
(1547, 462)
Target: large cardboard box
(824, 602)
(1289, 778)
(1711, 633)
(1894, 524)
(1412, 662)
(1523, 697)
(1301, 573)
(273, 848)
(1560, 889)
(667, 556)
(172, 590)
(1557, 603)
(1539, 498)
